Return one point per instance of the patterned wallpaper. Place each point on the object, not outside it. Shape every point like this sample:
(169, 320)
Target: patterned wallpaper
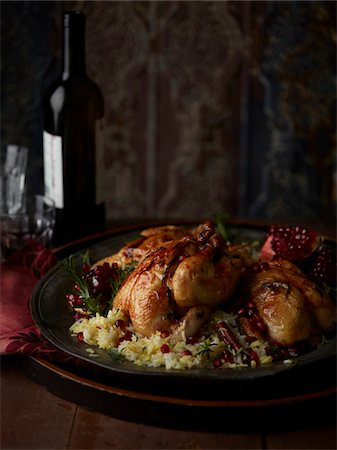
(210, 106)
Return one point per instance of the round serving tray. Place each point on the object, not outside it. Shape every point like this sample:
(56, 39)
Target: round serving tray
(119, 389)
(275, 413)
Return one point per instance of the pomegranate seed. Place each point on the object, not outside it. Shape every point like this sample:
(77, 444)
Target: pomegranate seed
(193, 339)
(85, 268)
(226, 356)
(164, 334)
(79, 315)
(126, 337)
(217, 363)
(80, 336)
(120, 324)
(186, 352)
(165, 348)
(264, 266)
(255, 267)
(74, 299)
(77, 300)
(261, 326)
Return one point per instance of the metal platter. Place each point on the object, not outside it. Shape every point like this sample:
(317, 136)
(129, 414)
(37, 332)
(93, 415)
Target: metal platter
(312, 372)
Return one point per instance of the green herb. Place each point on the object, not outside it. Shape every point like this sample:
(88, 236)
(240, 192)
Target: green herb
(69, 265)
(116, 283)
(86, 258)
(324, 340)
(221, 222)
(220, 352)
(116, 356)
(330, 290)
(205, 348)
(93, 304)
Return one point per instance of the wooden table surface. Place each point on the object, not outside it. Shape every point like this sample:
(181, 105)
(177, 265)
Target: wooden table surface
(33, 418)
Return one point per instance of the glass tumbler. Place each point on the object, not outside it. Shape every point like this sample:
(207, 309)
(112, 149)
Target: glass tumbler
(33, 221)
(13, 176)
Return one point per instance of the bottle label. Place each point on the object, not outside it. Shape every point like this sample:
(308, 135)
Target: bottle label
(53, 168)
(100, 166)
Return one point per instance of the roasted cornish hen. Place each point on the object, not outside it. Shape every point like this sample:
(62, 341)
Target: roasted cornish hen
(192, 272)
(289, 304)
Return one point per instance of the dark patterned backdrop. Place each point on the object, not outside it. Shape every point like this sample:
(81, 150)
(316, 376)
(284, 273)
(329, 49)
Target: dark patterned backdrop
(210, 106)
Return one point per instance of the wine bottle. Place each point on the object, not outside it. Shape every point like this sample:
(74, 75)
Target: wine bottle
(72, 138)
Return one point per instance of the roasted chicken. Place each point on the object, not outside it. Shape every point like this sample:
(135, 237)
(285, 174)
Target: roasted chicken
(176, 285)
(289, 304)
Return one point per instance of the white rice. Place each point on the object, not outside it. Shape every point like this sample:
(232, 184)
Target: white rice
(103, 333)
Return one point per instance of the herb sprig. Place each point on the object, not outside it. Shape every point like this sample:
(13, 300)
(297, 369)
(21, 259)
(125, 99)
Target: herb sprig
(69, 265)
(95, 288)
(115, 283)
(221, 225)
(205, 348)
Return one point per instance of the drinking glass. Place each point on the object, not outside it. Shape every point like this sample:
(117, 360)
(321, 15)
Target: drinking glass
(34, 220)
(13, 176)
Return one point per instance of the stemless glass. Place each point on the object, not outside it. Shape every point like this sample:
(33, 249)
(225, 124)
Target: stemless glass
(33, 221)
(13, 176)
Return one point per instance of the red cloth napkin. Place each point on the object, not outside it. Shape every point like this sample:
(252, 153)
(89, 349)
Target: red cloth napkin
(19, 274)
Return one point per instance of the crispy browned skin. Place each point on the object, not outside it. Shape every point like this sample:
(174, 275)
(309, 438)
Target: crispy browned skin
(151, 238)
(289, 303)
(180, 275)
(197, 280)
(144, 296)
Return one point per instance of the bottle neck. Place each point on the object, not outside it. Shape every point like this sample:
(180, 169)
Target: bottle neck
(74, 50)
